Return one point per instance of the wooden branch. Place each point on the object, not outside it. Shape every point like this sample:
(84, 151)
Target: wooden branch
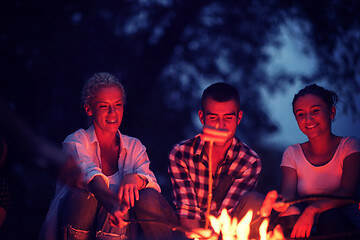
(211, 144)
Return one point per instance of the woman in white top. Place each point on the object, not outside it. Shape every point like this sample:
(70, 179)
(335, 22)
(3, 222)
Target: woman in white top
(326, 164)
(116, 175)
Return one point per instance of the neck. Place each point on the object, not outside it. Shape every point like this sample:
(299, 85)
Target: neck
(105, 138)
(219, 150)
(322, 144)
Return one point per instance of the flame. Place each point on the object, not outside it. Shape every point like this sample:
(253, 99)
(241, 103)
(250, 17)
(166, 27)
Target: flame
(231, 229)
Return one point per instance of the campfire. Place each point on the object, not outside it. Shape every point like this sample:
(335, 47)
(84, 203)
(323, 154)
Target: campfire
(231, 229)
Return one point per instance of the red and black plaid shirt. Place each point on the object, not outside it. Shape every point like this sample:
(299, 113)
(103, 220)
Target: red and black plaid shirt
(189, 176)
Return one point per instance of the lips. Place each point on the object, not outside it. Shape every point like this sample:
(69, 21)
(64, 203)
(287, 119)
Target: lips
(111, 121)
(311, 126)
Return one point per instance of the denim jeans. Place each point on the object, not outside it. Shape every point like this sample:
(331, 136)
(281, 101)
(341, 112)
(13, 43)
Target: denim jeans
(250, 201)
(81, 217)
(153, 206)
(329, 223)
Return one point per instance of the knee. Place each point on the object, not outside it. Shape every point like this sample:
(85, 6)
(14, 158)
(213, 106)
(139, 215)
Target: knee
(254, 197)
(148, 197)
(249, 201)
(73, 233)
(148, 193)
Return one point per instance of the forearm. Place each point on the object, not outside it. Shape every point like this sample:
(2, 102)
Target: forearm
(103, 194)
(324, 205)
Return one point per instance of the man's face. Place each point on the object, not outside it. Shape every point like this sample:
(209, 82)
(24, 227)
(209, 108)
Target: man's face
(221, 115)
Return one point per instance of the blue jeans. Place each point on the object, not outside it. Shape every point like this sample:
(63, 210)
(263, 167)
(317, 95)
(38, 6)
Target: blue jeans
(153, 206)
(81, 217)
(250, 201)
(331, 222)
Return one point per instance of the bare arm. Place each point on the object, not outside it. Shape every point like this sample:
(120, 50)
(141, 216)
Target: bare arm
(108, 200)
(348, 185)
(129, 189)
(288, 183)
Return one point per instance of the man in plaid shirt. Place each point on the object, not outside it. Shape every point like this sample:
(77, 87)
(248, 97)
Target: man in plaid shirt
(235, 167)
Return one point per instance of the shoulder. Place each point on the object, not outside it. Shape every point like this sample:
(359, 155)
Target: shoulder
(293, 149)
(184, 148)
(351, 140)
(78, 136)
(243, 147)
(350, 144)
(131, 142)
(188, 143)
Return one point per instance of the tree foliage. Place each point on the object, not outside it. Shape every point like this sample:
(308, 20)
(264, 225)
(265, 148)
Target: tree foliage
(166, 52)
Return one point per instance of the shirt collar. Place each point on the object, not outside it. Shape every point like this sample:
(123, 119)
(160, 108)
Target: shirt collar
(93, 139)
(200, 148)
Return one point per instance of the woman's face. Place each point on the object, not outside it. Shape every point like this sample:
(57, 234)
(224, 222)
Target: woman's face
(313, 115)
(106, 109)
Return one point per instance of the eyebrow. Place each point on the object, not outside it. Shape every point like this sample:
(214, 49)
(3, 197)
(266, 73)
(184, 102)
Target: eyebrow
(107, 102)
(310, 107)
(226, 114)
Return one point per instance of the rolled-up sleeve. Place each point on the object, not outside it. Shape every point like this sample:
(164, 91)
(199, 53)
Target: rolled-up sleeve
(245, 180)
(137, 161)
(84, 152)
(184, 195)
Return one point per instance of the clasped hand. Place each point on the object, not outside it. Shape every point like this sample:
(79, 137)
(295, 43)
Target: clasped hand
(127, 195)
(303, 225)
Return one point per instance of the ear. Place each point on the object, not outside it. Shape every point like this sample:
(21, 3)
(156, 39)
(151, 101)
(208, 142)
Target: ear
(88, 110)
(333, 113)
(201, 117)
(240, 115)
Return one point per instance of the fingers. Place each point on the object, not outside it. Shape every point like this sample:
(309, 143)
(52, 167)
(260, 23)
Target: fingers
(116, 218)
(128, 194)
(300, 232)
(280, 206)
(301, 229)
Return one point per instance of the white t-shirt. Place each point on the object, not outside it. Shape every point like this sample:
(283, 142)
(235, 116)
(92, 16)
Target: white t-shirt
(323, 179)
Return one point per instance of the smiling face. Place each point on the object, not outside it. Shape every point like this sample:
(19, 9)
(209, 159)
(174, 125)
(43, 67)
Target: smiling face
(313, 115)
(221, 115)
(106, 109)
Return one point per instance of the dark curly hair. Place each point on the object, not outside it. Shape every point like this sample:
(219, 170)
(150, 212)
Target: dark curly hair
(328, 96)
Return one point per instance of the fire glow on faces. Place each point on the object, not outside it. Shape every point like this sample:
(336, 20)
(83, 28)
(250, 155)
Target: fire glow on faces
(106, 109)
(313, 115)
(221, 115)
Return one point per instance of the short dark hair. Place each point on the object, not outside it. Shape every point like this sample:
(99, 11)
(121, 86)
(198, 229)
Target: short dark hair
(328, 96)
(221, 92)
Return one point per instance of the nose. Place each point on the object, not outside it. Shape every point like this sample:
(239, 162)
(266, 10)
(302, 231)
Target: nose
(221, 123)
(308, 117)
(111, 109)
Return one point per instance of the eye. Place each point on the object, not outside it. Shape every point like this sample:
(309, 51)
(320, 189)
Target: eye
(212, 117)
(228, 118)
(118, 105)
(315, 111)
(299, 115)
(102, 106)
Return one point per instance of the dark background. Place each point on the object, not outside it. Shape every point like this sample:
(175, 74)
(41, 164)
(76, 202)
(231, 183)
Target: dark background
(165, 53)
